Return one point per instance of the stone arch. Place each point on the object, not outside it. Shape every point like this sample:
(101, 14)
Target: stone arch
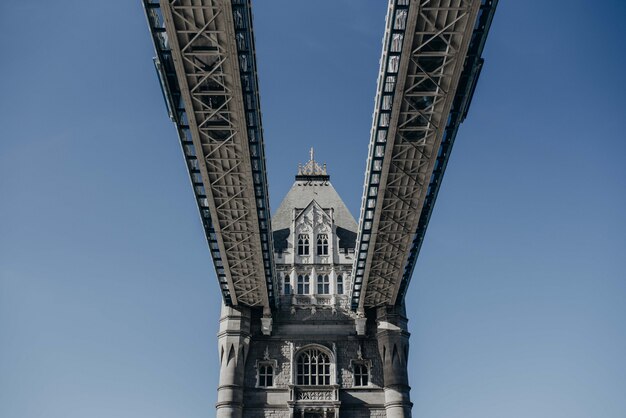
(312, 348)
(231, 354)
(394, 355)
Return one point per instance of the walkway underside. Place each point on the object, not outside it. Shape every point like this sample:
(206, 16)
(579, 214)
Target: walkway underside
(205, 58)
(425, 83)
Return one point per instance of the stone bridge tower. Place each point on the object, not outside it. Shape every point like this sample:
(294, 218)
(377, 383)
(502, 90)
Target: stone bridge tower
(315, 357)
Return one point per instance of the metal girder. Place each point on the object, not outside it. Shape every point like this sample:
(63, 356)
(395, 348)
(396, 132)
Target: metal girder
(429, 67)
(206, 65)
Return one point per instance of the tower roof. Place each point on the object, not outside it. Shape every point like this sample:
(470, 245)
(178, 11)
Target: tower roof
(312, 170)
(313, 183)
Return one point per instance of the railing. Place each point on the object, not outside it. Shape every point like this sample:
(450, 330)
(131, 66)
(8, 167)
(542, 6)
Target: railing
(315, 394)
(330, 301)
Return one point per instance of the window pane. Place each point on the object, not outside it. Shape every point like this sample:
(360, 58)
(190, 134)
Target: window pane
(313, 368)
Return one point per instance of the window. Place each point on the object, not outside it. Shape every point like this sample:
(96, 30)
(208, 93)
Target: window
(361, 374)
(323, 284)
(322, 244)
(303, 244)
(266, 375)
(340, 285)
(287, 285)
(303, 284)
(313, 368)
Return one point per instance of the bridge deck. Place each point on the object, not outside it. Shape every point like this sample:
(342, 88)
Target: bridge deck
(429, 66)
(206, 64)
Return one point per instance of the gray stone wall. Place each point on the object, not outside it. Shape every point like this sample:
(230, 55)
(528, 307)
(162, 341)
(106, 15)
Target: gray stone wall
(273, 402)
(266, 413)
(363, 413)
(323, 319)
(346, 352)
(277, 350)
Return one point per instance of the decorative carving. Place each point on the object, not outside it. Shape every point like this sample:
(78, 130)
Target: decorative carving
(303, 300)
(312, 168)
(323, 300)
(314, 395)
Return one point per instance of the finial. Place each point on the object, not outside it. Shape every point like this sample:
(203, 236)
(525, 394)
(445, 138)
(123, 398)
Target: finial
(311, 168)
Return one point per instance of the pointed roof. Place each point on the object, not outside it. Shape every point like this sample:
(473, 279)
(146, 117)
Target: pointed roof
(313, 204)
(312, 184)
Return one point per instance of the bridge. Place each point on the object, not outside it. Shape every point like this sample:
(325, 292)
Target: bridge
(430, 64)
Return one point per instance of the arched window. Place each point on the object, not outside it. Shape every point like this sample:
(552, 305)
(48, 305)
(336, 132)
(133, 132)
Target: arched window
(323, 284)
(313, 368)
(361, 374)
(287, 285)
(303, 244)
(303, 284)
(340, 285)
(322, 244)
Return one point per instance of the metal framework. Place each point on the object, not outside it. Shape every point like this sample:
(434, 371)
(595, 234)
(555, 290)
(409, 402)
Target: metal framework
(429, 67)
(205, 59)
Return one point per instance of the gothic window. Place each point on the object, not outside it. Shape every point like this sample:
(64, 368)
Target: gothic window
(303, 284)
(340, 285)
(322, 244)
(361, 374)
(266, 375)
(313, 368)
(287, 285)
(323, 284)
(303, 244)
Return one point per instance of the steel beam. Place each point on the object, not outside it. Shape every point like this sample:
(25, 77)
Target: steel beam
(429, 58)
(206, 65)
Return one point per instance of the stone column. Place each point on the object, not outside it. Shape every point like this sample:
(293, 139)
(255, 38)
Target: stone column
(393, 344)
(333, 285)
(233, 343)
(313, 290)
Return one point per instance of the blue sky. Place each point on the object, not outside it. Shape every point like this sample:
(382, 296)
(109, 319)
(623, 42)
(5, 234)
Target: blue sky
(108, 300)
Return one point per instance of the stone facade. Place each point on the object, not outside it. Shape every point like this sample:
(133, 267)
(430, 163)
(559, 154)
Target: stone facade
(316, 361)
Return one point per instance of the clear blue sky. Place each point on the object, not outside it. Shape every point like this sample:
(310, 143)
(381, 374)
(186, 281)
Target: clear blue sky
(108, 300)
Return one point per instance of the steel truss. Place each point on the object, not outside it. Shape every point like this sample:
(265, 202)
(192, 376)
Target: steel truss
(206, 65)
(425, 85)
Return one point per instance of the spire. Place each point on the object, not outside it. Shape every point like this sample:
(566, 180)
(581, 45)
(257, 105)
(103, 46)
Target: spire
(312, 170)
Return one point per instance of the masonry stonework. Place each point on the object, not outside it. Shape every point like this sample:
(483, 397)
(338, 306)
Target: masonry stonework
(316, 361)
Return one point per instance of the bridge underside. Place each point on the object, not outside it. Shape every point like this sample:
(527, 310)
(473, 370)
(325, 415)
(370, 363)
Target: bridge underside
(429, 67)
(206, 64)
